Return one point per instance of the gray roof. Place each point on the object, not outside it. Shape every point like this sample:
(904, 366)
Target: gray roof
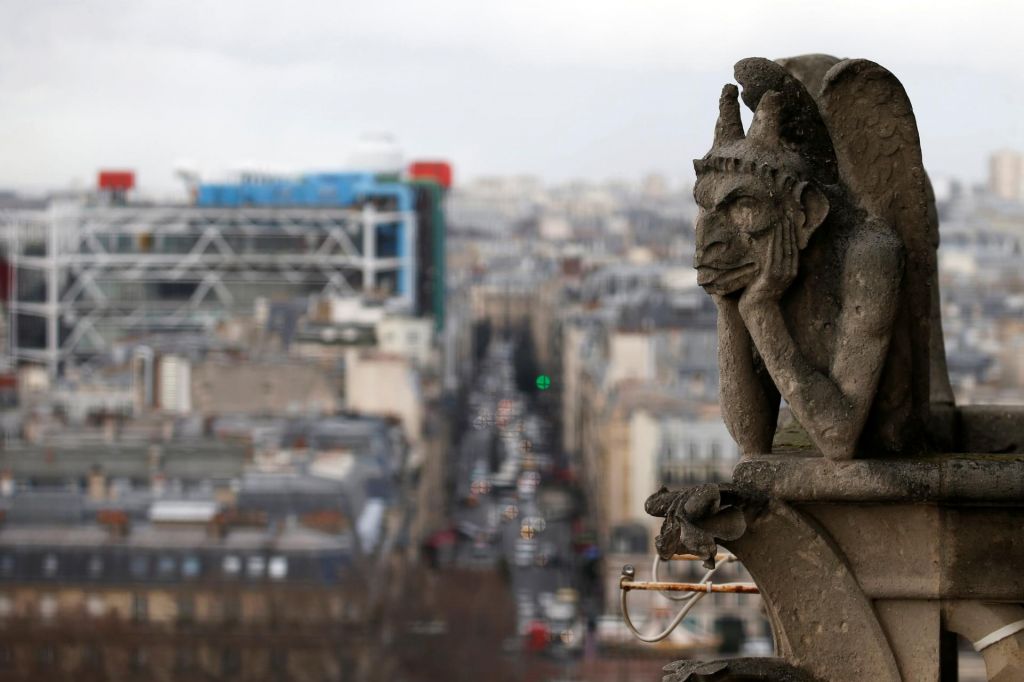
(149, 536)
(198, 459)
(45, 507)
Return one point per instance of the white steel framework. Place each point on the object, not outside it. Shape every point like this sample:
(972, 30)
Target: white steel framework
(85, 276)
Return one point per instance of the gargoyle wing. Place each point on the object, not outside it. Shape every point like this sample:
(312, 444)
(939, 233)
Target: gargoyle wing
(878, 151)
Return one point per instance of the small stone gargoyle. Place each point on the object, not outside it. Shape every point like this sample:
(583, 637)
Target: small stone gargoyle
(696, 518)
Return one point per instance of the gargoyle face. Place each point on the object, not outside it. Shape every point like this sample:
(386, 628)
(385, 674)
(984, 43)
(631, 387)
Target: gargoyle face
(736, 216)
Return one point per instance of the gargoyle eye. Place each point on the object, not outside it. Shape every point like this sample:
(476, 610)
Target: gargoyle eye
(742, 211)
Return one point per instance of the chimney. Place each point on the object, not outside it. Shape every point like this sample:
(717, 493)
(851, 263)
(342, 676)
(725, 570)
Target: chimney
(158, 484)
(32, 430)
(325, 520)
(218, 525)
(97, 484)
(167, 430)
(115, 521)
(155, 459)
(109, 428)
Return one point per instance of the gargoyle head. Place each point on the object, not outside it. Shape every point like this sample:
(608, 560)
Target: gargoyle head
(750, 182)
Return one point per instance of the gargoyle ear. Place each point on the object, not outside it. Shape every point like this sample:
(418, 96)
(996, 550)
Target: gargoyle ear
(814, 208)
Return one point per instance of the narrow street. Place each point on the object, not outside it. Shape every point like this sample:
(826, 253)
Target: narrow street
(514, 508)
(508, 583)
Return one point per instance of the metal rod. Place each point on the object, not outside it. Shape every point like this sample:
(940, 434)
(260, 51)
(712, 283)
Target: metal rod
(628, 572)
(734, 588)
(694, 557)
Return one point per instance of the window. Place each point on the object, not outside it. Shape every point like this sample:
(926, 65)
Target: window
(50, 565)
(231, 609)
(278, 661)
(666, 453)
(140, 608)
(95, 566)
(184, 659)
(278, 568)
(139, 567)
(186, 608)
(165, 567)
(92, 657)
(232, 565)
(46, 655)
(231, 662)
(139, 659)
(6, 565)
(95, 605)
(190, 567)
(47, 606)
(257, 565)
(716, 451)
(346, 665)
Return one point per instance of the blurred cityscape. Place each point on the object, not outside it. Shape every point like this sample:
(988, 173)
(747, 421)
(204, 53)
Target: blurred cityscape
(384, 423)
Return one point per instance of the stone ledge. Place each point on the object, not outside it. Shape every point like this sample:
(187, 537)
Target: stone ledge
(989, 428)
(953, 478)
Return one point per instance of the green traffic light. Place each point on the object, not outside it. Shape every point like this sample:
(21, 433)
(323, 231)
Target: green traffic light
(543, 382)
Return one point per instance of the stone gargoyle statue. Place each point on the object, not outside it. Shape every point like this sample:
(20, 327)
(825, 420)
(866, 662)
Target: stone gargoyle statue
(816, 237)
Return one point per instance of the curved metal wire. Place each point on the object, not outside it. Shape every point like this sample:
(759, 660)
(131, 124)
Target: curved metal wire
(691, 601)
(654, 577)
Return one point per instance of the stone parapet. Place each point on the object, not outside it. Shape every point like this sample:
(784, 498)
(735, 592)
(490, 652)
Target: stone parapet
(801, 477)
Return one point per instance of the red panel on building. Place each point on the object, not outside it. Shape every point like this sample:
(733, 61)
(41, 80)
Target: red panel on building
(116, 180)
(438, 171)
(6, 279)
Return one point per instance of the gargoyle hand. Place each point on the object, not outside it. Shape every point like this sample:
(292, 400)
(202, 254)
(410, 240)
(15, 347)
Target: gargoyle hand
(696, 518)
(778, 270)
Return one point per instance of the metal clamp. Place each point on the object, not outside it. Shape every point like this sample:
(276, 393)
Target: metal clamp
(696, 591)
(999, 635)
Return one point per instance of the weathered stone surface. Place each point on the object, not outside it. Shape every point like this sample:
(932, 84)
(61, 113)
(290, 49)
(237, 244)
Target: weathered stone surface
(696, 520)
(989, 429)
(895, 551)
(913, 628)
(803, 477)
(855, 560)
(815, 238)
(822, 621)
(736, 670)
(982, 551)
(928, 551)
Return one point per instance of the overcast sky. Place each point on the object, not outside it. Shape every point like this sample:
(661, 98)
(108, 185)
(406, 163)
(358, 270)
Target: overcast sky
(559, 89)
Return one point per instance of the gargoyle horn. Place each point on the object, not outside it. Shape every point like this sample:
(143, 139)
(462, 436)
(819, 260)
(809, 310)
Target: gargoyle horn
(729, 127)
(765, 129)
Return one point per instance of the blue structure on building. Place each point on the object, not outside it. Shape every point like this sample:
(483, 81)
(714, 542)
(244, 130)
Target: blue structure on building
(327, 190)
(313, 189)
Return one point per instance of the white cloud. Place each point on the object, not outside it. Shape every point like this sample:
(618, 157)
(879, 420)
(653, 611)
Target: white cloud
(557, 87)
